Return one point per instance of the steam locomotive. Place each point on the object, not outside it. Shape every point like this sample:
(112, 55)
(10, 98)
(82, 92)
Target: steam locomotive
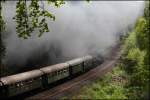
(27, 81)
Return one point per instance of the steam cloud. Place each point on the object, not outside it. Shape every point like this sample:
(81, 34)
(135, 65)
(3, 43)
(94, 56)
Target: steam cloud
(80, 28)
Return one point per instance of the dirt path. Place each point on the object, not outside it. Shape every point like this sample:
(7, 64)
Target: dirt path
(72, 86)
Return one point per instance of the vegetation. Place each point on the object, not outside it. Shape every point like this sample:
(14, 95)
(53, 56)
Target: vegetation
(135, 58)
(2, 28)
(130, 79)
(111, 86)
(29, 17)
(32, 16)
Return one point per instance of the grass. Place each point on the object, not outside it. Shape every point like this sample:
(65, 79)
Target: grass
(111, 86)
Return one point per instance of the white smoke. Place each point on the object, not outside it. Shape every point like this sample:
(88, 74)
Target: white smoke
(80, 28)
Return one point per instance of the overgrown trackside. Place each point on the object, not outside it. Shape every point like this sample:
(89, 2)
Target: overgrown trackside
(130, 79)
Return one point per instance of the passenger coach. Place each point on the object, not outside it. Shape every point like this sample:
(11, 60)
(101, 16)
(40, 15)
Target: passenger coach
(27, 81)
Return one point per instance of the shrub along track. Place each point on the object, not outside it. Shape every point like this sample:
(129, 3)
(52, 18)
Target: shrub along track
(72, 86)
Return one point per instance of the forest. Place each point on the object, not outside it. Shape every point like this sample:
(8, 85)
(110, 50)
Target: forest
(130, 78)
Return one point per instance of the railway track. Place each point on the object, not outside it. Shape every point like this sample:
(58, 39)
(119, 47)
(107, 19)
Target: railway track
(72, 86)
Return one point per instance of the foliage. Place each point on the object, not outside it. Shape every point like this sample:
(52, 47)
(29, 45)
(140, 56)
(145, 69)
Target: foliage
(136, 58)
(2, 23)
(133, 69)
(28, 18)
(33, 17)
(111, 86)
(57, 3)
(2, 28)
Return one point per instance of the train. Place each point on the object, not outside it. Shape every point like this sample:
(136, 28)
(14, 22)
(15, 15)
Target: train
(24, 82)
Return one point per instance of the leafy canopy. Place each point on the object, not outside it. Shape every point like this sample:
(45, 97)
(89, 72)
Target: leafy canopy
(33, 17)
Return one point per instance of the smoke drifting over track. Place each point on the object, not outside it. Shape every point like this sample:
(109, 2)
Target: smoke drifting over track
(80, 28)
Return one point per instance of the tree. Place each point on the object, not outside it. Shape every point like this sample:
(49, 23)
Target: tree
(136, 57)
(28, 18)
(2, 28)
(32, 16)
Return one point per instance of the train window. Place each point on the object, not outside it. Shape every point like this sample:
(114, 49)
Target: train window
(59, 72)
(50, 75)
(35, 79)
(53, 74)
(40, 78)
(17, 84)
(25, 81)
(65, 70)
(13, 85)
(28, 81)
(62, 71)
(21, 83)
